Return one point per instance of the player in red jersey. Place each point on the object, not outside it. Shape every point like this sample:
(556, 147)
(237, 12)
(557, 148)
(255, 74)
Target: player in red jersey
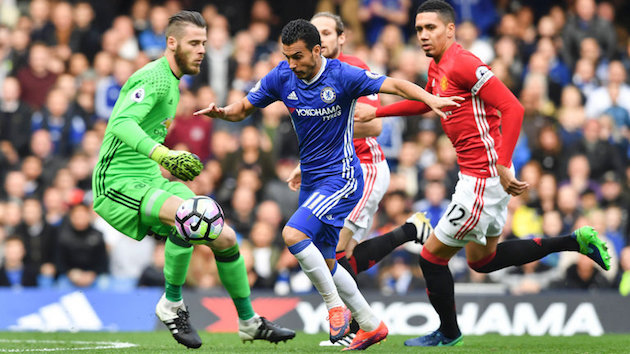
(484, 142)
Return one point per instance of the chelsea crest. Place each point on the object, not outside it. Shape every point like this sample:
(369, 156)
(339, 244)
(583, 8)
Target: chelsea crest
(328, 94)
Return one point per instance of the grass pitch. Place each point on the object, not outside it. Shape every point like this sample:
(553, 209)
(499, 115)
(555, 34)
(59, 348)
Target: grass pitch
(162, 342)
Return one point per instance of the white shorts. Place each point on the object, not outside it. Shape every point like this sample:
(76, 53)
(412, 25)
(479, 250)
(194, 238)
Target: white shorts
(478, 209)
(375, 184)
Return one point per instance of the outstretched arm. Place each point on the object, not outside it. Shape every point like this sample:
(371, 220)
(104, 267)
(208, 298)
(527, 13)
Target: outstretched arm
(364, 113)
(234, 112)
(411, 91)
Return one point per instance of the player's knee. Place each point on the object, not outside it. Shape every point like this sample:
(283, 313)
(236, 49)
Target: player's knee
(226, 239)
(292, 236)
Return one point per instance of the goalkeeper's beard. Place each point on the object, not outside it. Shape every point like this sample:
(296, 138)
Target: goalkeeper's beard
(182, 62)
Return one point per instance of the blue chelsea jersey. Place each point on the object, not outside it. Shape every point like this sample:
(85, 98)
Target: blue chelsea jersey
(322, 111)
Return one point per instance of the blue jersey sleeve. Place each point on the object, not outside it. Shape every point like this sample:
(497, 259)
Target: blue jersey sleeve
(361, 82)
(266, 91)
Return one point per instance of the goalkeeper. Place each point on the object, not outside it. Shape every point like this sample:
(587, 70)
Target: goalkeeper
(132, 196)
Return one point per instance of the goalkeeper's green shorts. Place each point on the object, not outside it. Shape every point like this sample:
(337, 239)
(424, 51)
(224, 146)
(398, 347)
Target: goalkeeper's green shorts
(132, 205)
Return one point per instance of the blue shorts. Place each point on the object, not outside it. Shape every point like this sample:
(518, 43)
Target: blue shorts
(323, 208)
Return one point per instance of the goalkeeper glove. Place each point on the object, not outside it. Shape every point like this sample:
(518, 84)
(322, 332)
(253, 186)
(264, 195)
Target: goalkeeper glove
(181, 164)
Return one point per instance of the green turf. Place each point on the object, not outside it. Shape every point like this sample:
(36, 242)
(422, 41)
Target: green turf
(161, 342)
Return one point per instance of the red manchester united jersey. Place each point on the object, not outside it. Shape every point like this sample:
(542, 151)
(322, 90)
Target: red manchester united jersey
(473, 128)
(368, 150)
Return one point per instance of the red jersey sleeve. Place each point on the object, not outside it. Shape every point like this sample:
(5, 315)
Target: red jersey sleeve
(404, 108)
(497, 95)
(473, 74)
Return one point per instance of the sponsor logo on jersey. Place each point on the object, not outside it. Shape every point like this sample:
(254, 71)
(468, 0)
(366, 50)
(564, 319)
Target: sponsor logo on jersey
(292, 96)
(328, 94)
(372, 75)
(326, 113)
(444, 83)
(138, 95)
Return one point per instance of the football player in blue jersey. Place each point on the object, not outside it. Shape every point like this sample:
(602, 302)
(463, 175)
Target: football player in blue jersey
(320, 95)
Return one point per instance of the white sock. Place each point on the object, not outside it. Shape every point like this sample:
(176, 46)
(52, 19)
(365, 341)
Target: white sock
(315, 267)
(349, 292)
(250, 321)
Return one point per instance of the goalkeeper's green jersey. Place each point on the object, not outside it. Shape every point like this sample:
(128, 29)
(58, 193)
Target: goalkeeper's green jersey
(140, 119)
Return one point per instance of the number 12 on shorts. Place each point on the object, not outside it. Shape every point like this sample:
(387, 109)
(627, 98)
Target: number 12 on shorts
(455, 214)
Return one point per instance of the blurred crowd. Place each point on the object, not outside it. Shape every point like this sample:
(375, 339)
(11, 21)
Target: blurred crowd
(62, 65)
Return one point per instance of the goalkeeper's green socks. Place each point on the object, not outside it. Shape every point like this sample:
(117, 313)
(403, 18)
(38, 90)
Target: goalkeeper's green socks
(177, 255)
(233, 274)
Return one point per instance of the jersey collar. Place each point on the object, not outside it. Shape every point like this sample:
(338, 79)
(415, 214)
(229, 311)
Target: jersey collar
(454, 48)
(319, 73)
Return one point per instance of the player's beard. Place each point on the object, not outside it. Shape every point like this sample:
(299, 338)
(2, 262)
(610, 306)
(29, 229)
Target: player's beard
(181, 59)
(309, 71)
(334, 53)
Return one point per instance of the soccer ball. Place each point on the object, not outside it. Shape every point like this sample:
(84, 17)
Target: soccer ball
(199, 220)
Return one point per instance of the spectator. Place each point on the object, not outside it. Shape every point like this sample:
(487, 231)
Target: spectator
(270, 213)
(558, 72)
(32, 170)
(81, 258)
(547, 193)
(624, 278)
(434, 203)
(249, 155)
(40, 240)
(85, 38)
(602, 155)
(260, 32)
(583, 275)
(240, 215)
(584, 77)
(396, 276)
(108, 88)
(584, 22)
(266, 254)
(194, 132)
(408, 168)
(60, 38)
(81, 172)
(18, 56)
(5, 54)
(568, 206)
(616, 220)
(42, 147)
(468, 36)
(120, 40)
(15, 186)
(377, 14)
(615, 94)
(277, 130)
(590, 50)
(153, 274)
(219, 66)
(152, 40)
(506, 49)
(15, 272)
(39, 11)
(65, 127)
(15, 117)
(579, 173)
(54, 206)
(127, 258)
(279, 192)
(36, 79)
